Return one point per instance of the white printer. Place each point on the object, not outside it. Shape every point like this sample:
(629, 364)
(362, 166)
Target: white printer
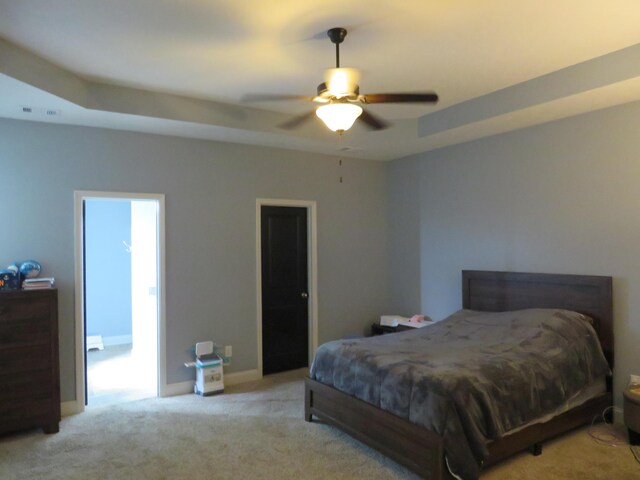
(209, 374)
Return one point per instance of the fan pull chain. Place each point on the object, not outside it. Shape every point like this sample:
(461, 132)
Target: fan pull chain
(340, 150)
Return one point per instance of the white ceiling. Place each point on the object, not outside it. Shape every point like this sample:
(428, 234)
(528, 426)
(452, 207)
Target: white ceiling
(215, 51)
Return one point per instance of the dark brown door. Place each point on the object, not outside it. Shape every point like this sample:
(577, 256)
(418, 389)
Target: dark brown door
(285, 332)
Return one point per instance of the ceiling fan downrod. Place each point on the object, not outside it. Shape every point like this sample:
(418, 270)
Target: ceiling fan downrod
(337, 35)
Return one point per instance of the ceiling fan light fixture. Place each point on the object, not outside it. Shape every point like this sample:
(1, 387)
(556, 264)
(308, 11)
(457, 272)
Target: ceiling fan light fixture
(342, 82)
(339, 116)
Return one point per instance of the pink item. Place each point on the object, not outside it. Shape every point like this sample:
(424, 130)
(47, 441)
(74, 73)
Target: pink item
(417, 318)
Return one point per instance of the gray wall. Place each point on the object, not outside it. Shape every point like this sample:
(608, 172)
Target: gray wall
(562, 197)
(211, 190)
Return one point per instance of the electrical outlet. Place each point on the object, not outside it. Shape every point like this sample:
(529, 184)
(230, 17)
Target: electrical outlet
(635, 379)
(228, 352)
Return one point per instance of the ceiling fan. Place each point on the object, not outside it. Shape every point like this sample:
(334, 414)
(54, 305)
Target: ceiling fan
(340, 99)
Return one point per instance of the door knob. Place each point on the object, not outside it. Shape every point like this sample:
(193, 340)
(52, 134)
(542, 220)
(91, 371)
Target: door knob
(304, 294)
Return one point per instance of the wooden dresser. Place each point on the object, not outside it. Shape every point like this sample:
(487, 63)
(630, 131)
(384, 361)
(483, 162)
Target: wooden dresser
(29, 371)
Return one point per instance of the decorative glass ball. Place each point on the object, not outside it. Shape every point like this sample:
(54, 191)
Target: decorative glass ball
(30, 269)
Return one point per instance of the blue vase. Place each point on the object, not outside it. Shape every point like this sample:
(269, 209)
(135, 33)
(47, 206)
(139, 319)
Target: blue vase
(30, 269)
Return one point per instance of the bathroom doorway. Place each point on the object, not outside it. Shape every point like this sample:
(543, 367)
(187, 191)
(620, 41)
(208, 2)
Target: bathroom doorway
(120, 299)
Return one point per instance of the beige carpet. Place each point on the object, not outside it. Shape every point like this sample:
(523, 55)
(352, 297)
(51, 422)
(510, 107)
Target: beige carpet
(253, 431)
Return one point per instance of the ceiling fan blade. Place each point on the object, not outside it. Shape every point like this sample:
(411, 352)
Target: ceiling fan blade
(373, 122)
(298, 120)
(429, 97)
(268, 97)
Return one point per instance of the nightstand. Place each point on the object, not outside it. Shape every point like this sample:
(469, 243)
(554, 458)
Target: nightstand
(632, 416)
(377, 329)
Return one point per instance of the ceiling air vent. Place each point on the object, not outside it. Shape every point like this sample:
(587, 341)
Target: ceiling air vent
(49, 112)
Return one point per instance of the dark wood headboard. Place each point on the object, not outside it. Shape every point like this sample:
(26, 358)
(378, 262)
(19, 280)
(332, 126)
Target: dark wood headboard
(502, 291)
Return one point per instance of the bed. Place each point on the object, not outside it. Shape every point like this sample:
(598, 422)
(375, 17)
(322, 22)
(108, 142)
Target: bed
(421, 449)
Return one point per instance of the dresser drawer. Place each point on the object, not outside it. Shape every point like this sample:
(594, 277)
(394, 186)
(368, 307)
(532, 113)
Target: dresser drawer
(24, 308)
(25, 387)
(10, 412)
(25, 332)
(18, 359)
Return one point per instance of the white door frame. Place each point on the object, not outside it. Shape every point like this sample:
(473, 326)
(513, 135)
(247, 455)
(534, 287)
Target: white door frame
(79, 198)
(312, 273)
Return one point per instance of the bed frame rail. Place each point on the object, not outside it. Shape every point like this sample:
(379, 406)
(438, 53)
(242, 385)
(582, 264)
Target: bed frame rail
(415, 447)
(419, 449)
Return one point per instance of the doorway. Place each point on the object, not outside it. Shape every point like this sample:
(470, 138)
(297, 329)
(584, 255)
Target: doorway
(287, 300)
(121, 298)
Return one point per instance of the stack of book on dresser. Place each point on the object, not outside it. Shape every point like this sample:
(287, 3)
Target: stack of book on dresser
(38, 283)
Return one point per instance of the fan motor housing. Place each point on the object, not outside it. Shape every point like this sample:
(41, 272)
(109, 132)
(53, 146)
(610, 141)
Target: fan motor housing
(323, 90)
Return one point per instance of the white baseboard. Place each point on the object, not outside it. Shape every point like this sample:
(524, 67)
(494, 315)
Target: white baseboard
(70, 408)
(117, 340)
(241, 377)
(173, 389)
(230, 379)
